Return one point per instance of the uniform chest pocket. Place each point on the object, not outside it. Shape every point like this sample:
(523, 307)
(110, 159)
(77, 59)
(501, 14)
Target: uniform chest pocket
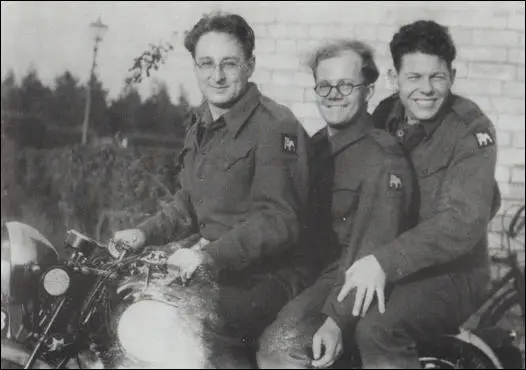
(232, 157)
(436, 165)
(344, 202)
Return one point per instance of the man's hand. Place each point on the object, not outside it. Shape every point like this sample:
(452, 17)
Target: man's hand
(200, 244)
(187, 260)
(368, 277)
(329, 339)
(133, 238)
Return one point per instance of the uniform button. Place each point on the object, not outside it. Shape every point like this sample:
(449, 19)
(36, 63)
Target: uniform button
(202, 225)
(399, 271)
(425, 172)
(344, 219)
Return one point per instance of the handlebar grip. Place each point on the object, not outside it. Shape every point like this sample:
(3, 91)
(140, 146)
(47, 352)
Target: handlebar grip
(118, 250)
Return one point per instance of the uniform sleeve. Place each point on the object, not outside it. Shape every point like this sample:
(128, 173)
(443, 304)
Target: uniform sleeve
(279, 194)
(464, 208)
(175, 220)
(384, 211)
(172, 222)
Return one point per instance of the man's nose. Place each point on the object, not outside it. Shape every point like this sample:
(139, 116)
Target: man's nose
(334, 94)
(218, 74)
(425, 86)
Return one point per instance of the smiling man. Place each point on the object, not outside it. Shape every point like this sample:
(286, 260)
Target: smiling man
(362, 199)
(439, 269)
(244, 186)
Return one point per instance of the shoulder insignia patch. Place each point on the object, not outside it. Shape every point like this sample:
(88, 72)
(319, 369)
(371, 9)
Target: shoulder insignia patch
(395, 182)
(484, 139)
(289, 143)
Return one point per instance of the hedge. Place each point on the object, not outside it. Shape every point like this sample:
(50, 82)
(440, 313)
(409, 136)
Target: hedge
(90, 188)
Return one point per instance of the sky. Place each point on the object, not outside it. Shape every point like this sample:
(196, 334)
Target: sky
(55, 36)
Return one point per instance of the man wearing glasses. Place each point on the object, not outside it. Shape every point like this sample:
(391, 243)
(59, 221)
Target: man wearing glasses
(244, 184)
(363, 188)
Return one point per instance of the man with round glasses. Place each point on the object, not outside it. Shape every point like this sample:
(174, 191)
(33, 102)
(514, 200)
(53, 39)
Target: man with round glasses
(244, 188)
(362, 198)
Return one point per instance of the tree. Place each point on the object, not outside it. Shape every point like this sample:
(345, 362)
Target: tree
(10, 93)
(124, 112)
(68, 101)
(184, 109)
(34, 96)
(158, 113)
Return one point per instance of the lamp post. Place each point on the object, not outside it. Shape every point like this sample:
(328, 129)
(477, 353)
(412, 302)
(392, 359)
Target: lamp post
(98, 30)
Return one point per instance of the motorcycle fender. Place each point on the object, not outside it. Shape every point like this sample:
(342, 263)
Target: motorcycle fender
(473, 339)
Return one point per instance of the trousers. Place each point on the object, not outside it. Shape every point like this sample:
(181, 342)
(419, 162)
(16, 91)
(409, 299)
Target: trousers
(247, 305)
(416, 310)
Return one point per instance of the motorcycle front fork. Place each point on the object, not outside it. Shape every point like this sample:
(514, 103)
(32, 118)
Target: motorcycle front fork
(36, 351)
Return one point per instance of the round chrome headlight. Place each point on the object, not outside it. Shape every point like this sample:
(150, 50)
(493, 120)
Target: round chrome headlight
(56, 281)
(153, 332)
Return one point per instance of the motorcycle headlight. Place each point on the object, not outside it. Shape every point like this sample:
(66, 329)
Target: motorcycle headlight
(152, 332)
(56, 281)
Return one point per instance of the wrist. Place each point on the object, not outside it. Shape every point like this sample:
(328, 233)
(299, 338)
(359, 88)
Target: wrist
(331, 324)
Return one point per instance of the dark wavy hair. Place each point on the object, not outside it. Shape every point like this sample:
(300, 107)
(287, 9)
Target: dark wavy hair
(231, 24)
(334, 48)
(423, 36)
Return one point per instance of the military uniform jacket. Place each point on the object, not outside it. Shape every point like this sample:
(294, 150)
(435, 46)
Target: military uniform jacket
(244, 183)
(455, 164)
(368, 185)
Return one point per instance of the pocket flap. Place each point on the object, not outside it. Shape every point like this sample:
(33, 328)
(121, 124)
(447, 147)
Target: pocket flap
(234, 154)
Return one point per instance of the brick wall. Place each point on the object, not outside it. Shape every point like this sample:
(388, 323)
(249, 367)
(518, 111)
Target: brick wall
(490, 65)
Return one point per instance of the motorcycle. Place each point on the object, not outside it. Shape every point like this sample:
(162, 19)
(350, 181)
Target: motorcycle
(104, 307)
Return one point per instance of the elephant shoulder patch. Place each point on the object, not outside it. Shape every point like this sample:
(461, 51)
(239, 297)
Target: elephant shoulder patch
(395, 182)
(289, 143)
(484, 139)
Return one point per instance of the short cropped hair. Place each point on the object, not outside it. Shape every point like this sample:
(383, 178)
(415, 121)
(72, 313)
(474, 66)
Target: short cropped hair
(335, 48)
(423, 36)
(231, 24)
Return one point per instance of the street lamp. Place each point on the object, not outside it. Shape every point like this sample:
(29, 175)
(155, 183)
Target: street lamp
(98, 30)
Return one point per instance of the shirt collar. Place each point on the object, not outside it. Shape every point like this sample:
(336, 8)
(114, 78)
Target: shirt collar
(357, 130)
(397, 116)
(236, 117)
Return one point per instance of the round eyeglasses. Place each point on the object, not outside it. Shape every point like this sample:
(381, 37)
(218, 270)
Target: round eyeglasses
(343, 87)
(226, 66)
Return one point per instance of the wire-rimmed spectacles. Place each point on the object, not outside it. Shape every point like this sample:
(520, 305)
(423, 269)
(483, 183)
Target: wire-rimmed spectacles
(344, 87)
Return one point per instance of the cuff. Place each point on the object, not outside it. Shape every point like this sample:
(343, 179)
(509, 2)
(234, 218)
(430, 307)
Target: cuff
(224, 255)
(393, 261)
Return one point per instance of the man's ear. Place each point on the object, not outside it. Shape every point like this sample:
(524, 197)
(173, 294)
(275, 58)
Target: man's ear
(453, 74)
(251, 66)
(370, 92)
(393, 78)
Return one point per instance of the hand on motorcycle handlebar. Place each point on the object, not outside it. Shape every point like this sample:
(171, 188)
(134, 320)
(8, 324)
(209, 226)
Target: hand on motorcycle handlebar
(328, 339)
(200, 244)
(368, 277)
(187, 260)
(132, 238)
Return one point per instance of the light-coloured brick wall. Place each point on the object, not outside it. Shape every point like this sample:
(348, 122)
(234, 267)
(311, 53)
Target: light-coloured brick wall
(490, 39)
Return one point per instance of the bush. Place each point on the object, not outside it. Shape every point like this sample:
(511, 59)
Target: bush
(91, 189)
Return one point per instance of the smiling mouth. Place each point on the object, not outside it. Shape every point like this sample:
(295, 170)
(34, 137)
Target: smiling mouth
(425, 102)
